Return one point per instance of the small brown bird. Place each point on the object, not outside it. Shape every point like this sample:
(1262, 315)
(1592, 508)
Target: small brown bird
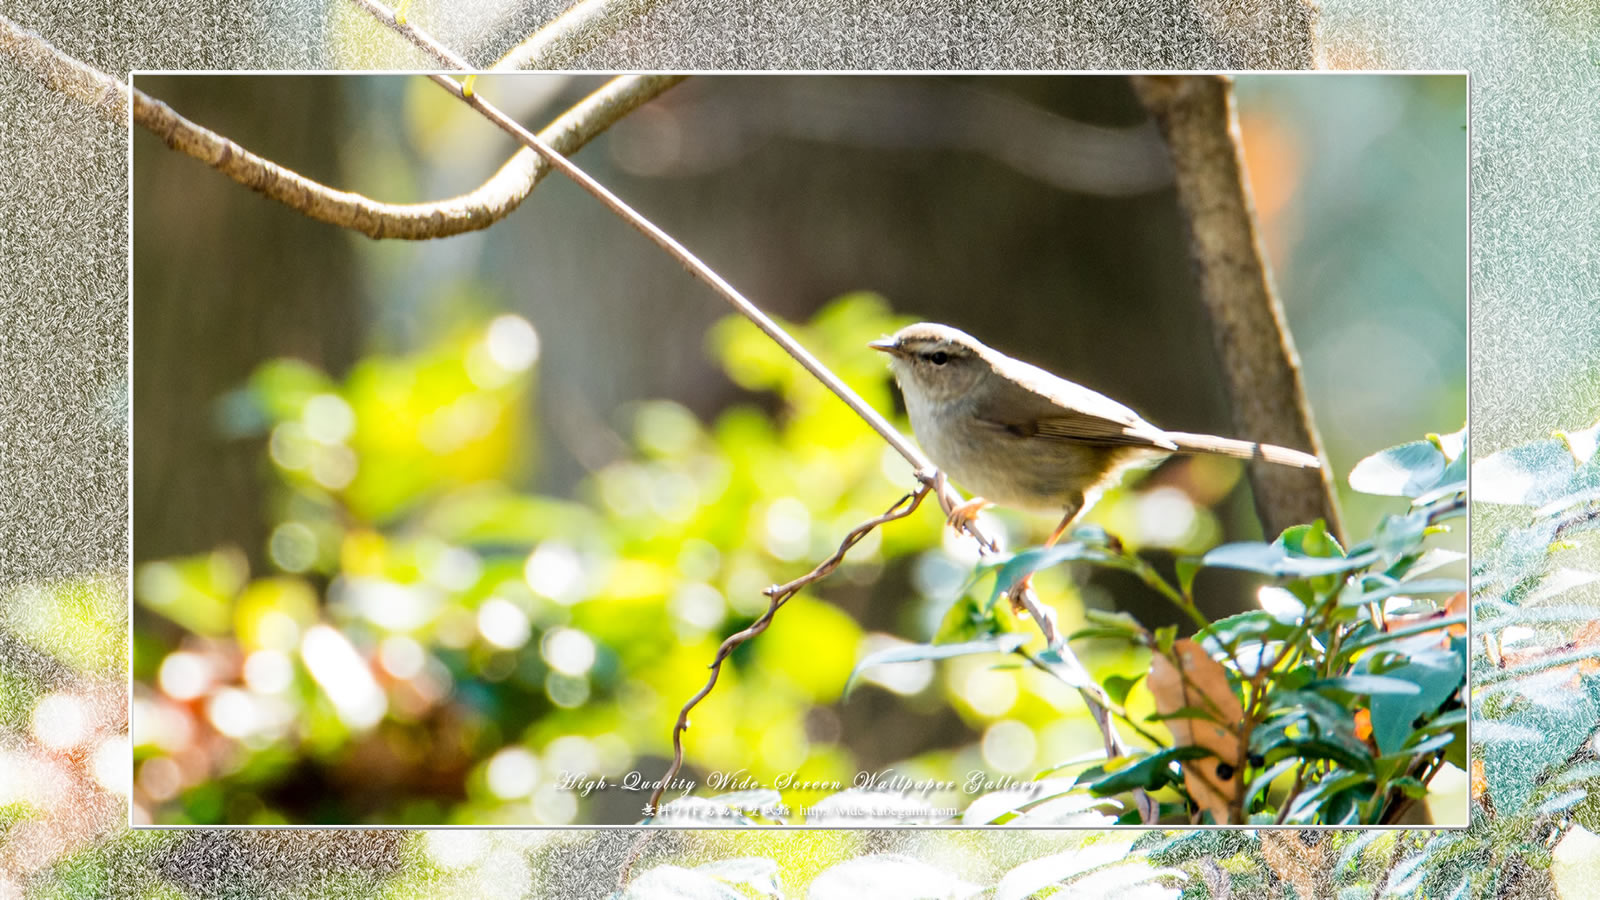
(1019, 436)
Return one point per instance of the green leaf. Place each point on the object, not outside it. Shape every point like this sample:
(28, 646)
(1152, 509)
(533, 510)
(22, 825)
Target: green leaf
(1118, 686)
(1407, 470)
(1111, 634)
(1259, 785)
(1452, 481)
(1149, 772)
(1400, 634)
(1429, 560)
(966, 620)
(1545, 734)
(1000, 643)
(1319, 804)
(1187, 568)
(1235, 631)
(1370, 685)
(1398, 536)
(1353, 596)
(1330, 715)
(1436, 671)
(1028, 562)
(1343, 750)
(1420, 748)
(1271, 559)
(1310, 540)
(1115, 621)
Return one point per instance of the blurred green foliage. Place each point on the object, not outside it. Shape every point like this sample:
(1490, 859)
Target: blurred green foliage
(434, 644)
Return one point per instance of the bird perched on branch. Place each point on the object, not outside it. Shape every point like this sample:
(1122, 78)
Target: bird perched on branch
(1018, 436)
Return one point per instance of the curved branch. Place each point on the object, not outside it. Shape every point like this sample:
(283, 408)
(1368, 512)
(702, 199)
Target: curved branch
(584, 26)
(475, 210)
(1259, 364)
(478, 209)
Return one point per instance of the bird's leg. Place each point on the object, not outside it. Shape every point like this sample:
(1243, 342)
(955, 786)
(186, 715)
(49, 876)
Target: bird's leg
(1066, 522)
(964, 514)
(1026, 584)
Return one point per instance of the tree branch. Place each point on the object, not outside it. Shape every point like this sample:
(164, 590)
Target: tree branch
(584, 26)
(482, 207)
(60, 72)
(932, 480)
(1259, 364)
(476, 210)
(415, 35)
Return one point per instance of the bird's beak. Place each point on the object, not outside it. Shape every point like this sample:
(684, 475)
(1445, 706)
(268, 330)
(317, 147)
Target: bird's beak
(887, 345)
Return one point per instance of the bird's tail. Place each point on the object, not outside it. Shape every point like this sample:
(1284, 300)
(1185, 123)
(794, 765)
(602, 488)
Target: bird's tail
(1210, 443)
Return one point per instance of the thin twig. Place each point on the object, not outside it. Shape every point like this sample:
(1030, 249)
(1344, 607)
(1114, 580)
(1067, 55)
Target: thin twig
(777, 596)
(1294, 791)
(625, 871)
(584, 26)
(414, 34)
(1116, 710)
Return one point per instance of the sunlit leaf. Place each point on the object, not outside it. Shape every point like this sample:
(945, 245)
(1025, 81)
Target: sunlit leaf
(1274, 560)
(1367, 685)
(1118, 686)
(1030, 877)
(1150, 771)
(1403, 471)
(992, 805)
(1028, 562)
(1000, 643)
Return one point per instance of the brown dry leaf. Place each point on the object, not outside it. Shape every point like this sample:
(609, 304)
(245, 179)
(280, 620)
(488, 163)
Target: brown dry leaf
(1298, 857)
(1215, 782)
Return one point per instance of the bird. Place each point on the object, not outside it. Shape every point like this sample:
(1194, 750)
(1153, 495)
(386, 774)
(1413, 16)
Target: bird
(1018, 436)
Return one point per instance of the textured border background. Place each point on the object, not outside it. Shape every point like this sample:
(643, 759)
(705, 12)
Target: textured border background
(64, 268)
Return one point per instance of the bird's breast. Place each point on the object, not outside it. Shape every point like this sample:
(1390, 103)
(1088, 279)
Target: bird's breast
(1009, 469)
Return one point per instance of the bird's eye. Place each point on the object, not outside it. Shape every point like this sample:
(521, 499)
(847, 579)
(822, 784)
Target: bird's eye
(938, 357)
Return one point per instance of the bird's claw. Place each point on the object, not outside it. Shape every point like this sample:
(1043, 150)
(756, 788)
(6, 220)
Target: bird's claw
(963, 515)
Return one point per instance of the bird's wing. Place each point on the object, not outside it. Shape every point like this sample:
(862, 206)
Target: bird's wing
(1034, 403)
